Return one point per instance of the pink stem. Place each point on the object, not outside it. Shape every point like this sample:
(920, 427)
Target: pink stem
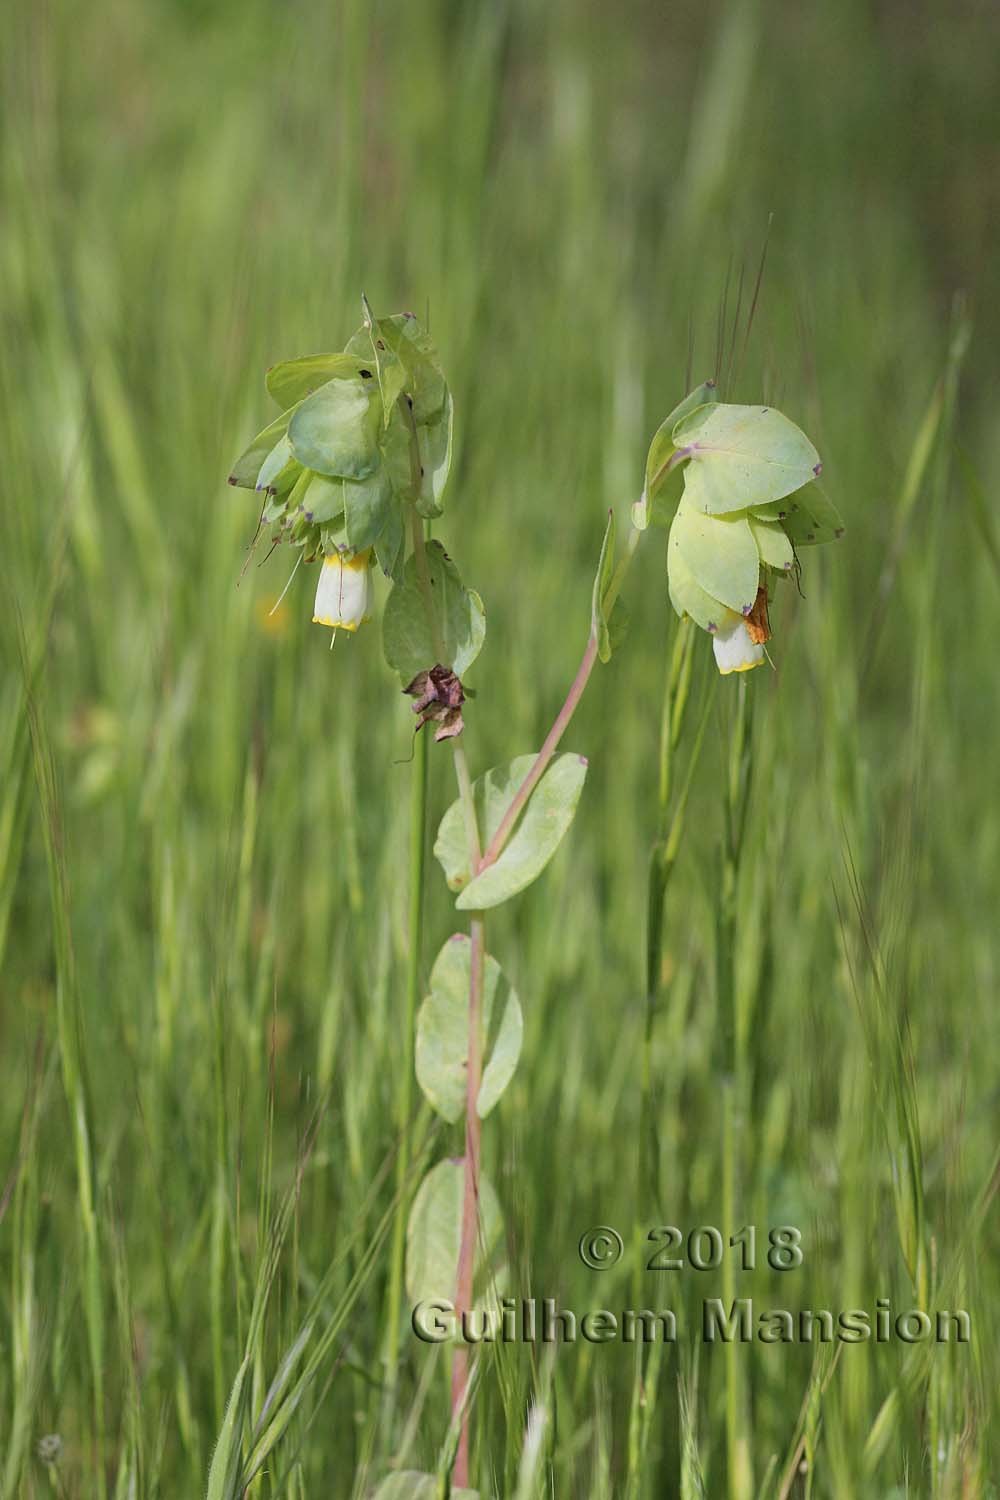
(470, 1198)
(543, 757)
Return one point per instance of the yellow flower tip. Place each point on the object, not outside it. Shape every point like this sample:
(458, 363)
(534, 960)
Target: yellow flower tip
(351, 625)
(355, 564)
(746, 666)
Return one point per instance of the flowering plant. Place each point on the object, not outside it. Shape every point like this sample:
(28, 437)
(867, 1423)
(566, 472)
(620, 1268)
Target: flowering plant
(357, 462)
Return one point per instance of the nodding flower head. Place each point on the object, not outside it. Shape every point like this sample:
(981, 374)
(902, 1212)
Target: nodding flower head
(742, 484)
(344, 594)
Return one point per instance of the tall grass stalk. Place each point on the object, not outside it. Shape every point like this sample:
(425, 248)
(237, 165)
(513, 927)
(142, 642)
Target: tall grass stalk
(738, 774)
(661, 863)
(72, 1049)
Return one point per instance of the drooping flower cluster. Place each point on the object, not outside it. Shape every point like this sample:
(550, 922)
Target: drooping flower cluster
(737, 487)
(361, 435)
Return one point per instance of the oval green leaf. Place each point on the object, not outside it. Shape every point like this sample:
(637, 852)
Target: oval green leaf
(407, 639)
(535, 839)
(434, 1234)
(442, 1043)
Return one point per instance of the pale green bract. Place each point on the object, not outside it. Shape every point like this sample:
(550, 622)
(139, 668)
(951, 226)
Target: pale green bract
(407, 342)
(738, 456)
(280, 470)
(689, 598)
(811, 517)
(742, 484)
(663, 482)
(367, 504)
(434, 444)
(773, 547)
(364, 434)
(536, 836)
(335, 430)
(293, 380)
(600, 618)
(720, 553)
(246, 470)
(442, 1044)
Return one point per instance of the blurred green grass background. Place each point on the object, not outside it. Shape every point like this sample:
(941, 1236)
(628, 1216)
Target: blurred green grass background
(203, 816)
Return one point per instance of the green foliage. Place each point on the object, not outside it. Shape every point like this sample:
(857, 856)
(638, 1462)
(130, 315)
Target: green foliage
(442, 1045)
(408, 639)
(535, 839)
(226, 1460)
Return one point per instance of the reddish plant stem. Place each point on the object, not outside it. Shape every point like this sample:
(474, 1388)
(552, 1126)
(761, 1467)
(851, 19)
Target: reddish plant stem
(555, 734)
(470, 1196)
(543, 757)
(464, 1289)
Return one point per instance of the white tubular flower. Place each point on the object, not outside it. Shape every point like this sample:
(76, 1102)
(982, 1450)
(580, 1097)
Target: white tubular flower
(344, 594)
(734, 649)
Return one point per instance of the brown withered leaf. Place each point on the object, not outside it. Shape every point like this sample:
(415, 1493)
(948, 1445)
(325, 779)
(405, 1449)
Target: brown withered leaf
(439, 697)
